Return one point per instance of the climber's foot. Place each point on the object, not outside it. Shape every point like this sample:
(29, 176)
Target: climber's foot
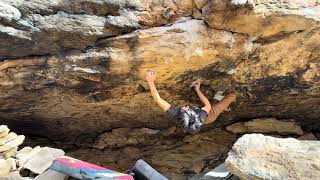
(232, 96)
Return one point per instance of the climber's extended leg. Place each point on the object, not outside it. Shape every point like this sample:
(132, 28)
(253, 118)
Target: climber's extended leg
(218, 108)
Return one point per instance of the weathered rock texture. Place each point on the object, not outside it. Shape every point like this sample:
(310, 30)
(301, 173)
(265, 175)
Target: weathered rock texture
(38, 28)
(176, 156)
(73, 70)
(256, 156)
(266, 125)
(9, 142)
(308, 136)
(261, 18)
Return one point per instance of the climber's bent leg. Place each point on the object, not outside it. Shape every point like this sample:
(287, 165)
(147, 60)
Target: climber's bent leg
(218, 108)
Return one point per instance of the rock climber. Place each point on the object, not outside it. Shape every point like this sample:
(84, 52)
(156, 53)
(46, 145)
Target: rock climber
(191, 118)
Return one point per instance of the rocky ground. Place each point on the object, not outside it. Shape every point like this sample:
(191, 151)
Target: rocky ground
(71, 73)
(253, 156)
(169, 150)
(173, 155)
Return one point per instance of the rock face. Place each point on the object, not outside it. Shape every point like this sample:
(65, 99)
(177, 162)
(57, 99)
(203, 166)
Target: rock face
(125, 137)
(256, 156)
(267, 125)
(262, 18)
(79, 64)
(39, 28)
(92, 89)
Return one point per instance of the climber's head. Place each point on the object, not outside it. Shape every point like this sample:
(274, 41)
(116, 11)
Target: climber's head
(189, 118)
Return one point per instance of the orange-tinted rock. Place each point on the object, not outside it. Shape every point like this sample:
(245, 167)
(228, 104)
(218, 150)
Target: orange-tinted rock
(74, 72)
(262, 18)
(266, 125)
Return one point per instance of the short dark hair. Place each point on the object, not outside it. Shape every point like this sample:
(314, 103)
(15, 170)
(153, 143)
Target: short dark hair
(189, 120)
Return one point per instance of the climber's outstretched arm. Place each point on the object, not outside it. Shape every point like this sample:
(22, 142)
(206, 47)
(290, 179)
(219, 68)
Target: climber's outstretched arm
(151, 76)
(204, 99)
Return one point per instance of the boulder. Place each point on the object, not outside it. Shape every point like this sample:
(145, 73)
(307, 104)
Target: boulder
(11, 144)
(266, 125)
(15, 175)
(3, 128)
(308, 136)
(9, 137)
(9, 153)
(255, 156)
(26, 153)
(7, 165)
(51, 175)
(4, 131)
(42, 160)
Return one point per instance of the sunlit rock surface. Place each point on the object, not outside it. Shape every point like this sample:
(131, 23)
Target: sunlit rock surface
(44, 27)
(72, 71)
(9, 142)
(262, 18)
(256, 156)
(267, 125)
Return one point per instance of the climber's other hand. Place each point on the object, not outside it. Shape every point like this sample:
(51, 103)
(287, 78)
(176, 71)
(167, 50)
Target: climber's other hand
(196, 84)
(150, 76)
